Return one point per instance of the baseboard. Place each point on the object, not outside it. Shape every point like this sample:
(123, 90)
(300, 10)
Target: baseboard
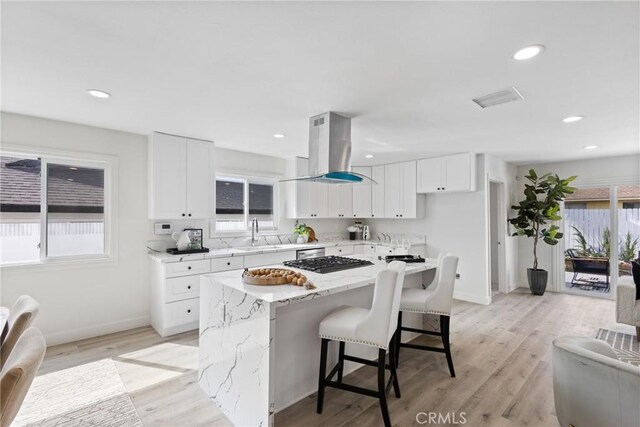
(95, 330)
(478, 299)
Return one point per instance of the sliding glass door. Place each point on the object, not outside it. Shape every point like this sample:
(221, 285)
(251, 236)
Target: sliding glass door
(602, 236)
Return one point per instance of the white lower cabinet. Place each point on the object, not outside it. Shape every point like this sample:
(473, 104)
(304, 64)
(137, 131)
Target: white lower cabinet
(339, 250)
(175, 292)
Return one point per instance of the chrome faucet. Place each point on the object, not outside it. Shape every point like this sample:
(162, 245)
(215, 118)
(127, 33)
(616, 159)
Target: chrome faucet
(254, 231)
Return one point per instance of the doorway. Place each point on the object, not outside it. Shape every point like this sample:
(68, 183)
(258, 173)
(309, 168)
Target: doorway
(497, 232)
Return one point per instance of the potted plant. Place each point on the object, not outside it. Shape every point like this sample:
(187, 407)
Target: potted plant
(535, 217)
(303, 233)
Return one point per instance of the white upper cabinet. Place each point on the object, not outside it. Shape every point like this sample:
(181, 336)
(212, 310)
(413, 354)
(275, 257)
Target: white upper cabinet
(200, 178)
(180, 177)
(400, 190)
(318, 193)
(362, 194)
(339, 200)
(447, 174)
(377, 192)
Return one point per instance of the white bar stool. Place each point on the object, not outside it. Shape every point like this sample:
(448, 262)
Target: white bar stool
(432, 301)
(375, 327)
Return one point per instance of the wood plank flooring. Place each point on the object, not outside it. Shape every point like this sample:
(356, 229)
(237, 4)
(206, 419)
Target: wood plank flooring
(501, 352)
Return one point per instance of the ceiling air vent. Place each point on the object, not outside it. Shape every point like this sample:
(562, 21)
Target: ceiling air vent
(501, 97)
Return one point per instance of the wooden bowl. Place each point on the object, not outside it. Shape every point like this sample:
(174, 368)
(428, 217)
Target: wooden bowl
(273, 277)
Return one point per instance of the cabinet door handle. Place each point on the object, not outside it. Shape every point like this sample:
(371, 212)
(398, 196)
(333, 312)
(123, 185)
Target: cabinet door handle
(189, 268)
(182, 214)
(189, 311)
(228, 263)
(401, 216)
(189, 287)
(189, 214)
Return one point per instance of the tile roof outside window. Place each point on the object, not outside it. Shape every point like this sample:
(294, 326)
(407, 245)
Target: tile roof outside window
(67, 189)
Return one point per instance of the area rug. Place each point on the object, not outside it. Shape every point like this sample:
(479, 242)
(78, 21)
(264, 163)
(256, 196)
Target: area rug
(85, 395)
(625, 345)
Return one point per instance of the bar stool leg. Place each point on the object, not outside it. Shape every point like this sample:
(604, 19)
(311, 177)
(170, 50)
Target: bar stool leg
(398, 338)
(444, 330)
(341, 361)
(392, 365)
(323, 373)
(382, 356)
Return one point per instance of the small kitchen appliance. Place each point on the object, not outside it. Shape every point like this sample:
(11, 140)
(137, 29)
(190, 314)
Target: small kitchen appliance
(366, 234)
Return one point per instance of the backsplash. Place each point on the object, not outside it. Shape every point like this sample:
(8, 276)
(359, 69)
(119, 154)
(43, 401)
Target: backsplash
(162, 242)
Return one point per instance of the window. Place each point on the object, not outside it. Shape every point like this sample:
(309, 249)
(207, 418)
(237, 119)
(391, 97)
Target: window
(630, 205)
(575, 205)
(241, 199)
(52, 208)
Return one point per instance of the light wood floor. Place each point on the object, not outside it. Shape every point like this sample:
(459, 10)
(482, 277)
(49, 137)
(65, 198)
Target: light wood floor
(501, 353)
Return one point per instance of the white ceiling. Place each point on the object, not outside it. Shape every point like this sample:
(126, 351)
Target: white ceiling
(237, 73)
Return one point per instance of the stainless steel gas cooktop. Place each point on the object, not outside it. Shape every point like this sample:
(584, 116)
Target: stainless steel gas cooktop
(327, 264)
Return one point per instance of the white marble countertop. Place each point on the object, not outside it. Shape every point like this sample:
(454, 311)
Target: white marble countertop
(325, 283)
(164, 257)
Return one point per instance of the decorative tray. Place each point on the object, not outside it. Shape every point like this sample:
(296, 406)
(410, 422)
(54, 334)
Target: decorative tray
(175, 251)
(275, 277)
(404, 258)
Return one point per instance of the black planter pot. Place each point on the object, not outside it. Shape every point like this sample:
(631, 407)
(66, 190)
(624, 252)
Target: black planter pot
(537, 280)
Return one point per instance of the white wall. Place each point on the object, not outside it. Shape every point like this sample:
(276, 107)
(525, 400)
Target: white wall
(621, 170)
(78, 301)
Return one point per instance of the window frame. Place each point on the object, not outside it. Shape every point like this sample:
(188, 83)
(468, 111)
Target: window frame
(246, 179)
(80, 159)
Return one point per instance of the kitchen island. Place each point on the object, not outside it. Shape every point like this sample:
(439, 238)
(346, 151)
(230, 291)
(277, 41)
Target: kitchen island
(259, 347)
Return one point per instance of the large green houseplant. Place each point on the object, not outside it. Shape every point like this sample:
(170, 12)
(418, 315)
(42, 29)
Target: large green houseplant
(535, 217)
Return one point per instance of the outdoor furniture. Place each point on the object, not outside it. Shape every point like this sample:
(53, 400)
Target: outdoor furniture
(591, 386)
(588, 265)
(627, 306)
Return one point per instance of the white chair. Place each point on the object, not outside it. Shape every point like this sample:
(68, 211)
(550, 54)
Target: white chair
(591, 387)
(18, 373)
(373, 327)
(436, 299)
(627, 306)
(22, 315)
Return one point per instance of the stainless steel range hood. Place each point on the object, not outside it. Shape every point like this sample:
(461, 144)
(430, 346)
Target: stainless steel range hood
(330, 151)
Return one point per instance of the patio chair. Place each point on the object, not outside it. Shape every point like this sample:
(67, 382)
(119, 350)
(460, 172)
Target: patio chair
(588, 265)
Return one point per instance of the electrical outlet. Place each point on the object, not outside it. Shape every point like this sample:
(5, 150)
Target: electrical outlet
(457, 275)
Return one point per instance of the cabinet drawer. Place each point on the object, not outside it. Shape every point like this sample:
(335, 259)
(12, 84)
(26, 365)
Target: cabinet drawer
(185, 268)
(227, 263)
(181, 288)
(182, 312)
(340, 250)
(384, 250)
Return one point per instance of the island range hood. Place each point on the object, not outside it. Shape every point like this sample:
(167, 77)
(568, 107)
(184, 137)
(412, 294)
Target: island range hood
(330, 151)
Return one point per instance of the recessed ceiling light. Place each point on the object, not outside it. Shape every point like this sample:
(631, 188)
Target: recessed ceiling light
(73, 168)
(572, 119)
(99, 93)
(528, 52)
(279, 135)
(369, 156)
(69, 179)
(590, 147)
